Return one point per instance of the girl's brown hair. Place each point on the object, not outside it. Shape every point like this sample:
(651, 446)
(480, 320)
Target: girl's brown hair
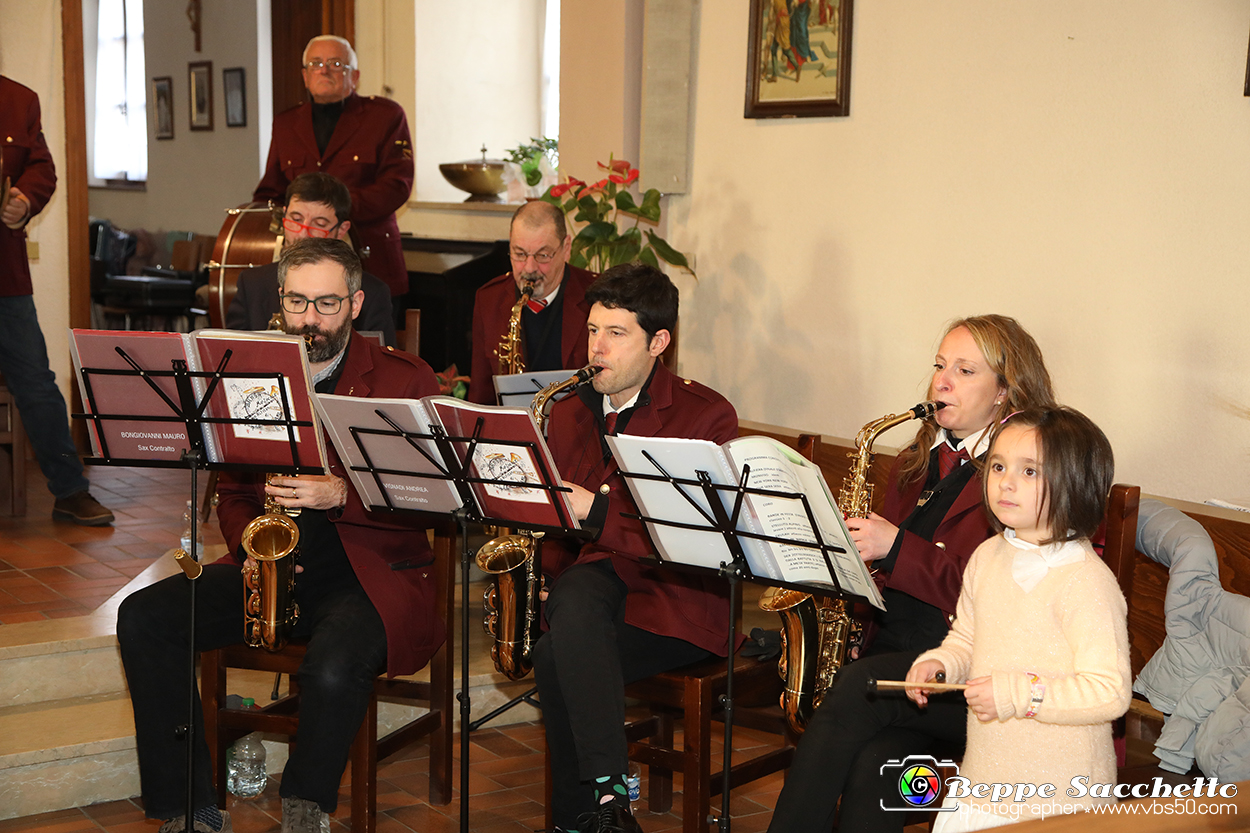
(1078, 468)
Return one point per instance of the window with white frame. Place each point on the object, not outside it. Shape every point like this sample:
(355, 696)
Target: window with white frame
(121, 126)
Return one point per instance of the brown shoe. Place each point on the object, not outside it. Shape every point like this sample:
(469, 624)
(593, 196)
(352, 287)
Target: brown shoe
(82, 509)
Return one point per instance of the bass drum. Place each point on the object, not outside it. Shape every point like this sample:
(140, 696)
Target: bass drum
(250, 236)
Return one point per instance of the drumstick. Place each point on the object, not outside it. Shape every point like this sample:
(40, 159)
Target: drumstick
(874, 685)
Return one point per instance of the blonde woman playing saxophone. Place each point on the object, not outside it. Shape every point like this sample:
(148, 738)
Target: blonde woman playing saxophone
(986, 367)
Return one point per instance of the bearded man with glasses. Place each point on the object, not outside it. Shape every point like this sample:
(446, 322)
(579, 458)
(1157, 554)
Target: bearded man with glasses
(364, 585)
(362, 141)
(317, 206)
(553, 324)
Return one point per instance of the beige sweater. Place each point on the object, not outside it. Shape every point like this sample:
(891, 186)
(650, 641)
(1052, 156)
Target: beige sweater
(1071, 631)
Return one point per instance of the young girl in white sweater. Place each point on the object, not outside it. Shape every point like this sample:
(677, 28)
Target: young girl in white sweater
(1040, 633)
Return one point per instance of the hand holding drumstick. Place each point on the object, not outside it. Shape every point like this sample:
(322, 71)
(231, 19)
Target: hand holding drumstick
(930, 675)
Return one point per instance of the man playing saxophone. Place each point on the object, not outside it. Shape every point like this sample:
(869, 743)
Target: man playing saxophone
(614, 618)
(552, 327)
(364, 590)
(986, 368)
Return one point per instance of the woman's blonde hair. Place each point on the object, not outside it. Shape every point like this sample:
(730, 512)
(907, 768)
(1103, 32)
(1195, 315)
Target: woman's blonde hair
(1017, 361)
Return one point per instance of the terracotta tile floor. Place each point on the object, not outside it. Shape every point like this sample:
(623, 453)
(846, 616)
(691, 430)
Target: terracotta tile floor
(51, 569)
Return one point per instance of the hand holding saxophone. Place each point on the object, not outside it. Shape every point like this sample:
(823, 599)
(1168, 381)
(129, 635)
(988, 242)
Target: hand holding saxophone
(307, 491)
(582, 500)
(873, 536)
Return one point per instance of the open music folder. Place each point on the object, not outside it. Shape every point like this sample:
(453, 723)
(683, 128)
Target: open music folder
(774, 467)
(406, 468)
(131, 398)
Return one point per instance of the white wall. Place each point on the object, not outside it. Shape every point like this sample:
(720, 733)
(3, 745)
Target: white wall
(195, 176)
(30, 53)
(1081, 166)
(471, 59)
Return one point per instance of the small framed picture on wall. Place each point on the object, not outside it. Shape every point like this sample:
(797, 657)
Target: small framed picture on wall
(163, 94)
(200, 74)
(234, 82)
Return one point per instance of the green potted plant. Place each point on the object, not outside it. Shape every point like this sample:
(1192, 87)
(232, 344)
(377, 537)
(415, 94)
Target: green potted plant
(601, 214)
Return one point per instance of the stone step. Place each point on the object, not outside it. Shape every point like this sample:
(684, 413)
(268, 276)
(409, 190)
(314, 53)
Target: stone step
(66, 726)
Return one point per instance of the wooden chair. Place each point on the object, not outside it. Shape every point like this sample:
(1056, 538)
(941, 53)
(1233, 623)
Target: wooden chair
(409, 338)
(222, 726)
(12, 455)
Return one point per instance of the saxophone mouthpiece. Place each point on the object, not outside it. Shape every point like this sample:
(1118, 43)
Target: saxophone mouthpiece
(587, 373)
(927, 409)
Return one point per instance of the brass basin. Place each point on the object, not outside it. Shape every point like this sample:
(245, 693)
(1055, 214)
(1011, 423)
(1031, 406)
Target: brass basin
(482, 178)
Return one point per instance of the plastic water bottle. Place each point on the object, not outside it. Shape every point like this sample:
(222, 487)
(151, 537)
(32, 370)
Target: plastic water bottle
(245, 767)
(185, 543)
(633, 782)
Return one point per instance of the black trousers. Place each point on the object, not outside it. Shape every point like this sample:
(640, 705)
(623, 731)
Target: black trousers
(582, 665)
(346, 650)
(848, 739)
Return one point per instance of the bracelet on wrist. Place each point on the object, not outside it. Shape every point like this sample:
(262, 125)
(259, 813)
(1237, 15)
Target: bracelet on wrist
(1037, 690)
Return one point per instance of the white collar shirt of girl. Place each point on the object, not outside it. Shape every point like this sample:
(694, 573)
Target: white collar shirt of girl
(1032, 561)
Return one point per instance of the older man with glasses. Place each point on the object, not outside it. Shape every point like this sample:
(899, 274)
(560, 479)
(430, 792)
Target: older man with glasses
(553, 323)
(317, 205)
(362, 141)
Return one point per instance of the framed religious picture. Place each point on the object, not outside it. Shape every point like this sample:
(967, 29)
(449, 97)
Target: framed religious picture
(233, 82)
(163, 94)
(200, 74)
(799, 59)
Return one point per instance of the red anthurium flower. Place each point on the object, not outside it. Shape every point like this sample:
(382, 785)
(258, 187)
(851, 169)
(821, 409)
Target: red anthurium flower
(620, 166)
(561, 190)
(626, 179)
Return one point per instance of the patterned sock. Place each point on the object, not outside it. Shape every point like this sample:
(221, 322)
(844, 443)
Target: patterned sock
(611, 788)
(209, 815)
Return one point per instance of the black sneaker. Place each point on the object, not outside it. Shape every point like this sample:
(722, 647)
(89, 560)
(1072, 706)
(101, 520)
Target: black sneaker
(179, 824)
(610, 818)
(82, 509)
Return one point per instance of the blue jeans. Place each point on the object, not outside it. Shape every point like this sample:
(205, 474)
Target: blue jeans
(24, 363)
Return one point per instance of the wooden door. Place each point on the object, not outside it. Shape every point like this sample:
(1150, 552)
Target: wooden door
(295, 23)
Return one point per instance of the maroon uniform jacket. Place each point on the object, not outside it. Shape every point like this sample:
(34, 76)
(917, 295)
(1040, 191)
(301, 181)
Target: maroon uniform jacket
(662, 601)
(373, 540)
(28, 167)
(933, 572)
(492, 306)
(371, 152)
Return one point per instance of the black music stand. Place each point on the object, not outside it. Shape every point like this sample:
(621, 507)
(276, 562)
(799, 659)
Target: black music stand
(456, 466)
(188, 411)
(724, 522)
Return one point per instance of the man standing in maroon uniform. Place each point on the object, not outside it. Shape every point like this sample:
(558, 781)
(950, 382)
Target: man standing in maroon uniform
(553, 325)
(613, 618)
(29, 179)
(362, 141)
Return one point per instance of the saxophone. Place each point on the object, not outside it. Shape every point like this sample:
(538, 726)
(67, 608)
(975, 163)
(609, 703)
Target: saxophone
(817, 633)
(272, 541)
(509, 353)
(511, 601)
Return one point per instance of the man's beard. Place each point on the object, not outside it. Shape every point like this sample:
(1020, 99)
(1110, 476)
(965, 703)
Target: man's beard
(327, 343)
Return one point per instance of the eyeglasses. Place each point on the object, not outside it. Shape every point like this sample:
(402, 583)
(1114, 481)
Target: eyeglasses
(326, 304)
(541, 258)
(312, 231)
(316, 64)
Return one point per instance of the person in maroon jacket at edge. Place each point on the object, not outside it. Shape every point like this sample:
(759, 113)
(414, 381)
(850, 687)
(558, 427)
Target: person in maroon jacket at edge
(30, 178)
(987, 367)
(613, 617)
(553, 324)
(365, 587)
(362, 141)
